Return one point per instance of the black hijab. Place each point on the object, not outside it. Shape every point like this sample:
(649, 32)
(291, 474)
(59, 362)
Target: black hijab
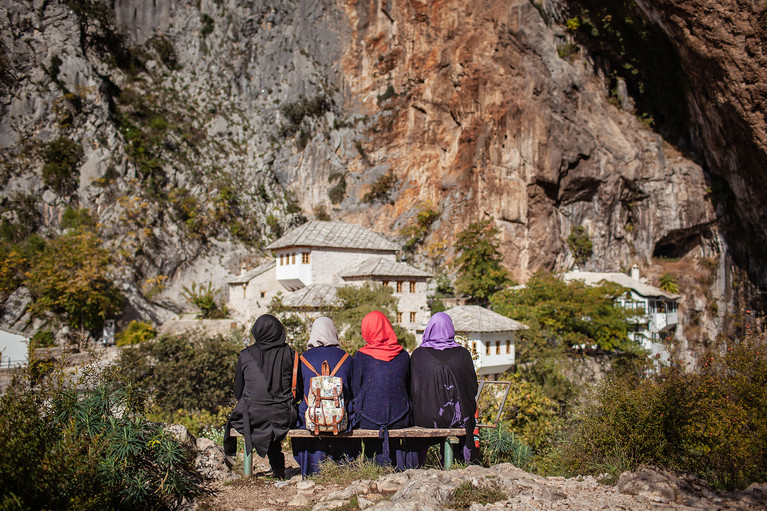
(270, 351)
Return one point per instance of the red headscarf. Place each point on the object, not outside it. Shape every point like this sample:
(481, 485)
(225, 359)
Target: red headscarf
(380, 337)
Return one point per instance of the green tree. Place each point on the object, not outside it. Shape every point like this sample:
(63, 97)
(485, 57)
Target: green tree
(480, 272)
(668, 283)
(580, 244)
(72, 276)
(569, 313)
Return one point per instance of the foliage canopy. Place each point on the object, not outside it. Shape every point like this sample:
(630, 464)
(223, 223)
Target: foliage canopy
(72, 276)
(568, 313)
(190, 373)
(480, 272)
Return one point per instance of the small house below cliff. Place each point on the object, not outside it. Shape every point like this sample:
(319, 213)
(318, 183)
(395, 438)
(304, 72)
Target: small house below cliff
(657, 310)
(313, 260)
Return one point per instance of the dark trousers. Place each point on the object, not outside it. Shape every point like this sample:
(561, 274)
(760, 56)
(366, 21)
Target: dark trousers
(276, 458)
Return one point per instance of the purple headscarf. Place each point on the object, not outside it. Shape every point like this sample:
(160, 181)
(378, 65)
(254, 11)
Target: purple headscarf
(439, 333)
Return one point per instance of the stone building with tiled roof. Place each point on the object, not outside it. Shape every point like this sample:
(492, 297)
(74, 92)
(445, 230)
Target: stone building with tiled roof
(313, 260)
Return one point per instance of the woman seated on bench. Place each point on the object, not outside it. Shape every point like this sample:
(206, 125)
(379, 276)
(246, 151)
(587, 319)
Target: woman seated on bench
(323, 347)
(380, 390)
(443, 384)
(262, 386)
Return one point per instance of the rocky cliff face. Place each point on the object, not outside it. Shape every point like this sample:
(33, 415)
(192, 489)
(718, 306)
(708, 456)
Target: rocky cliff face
(210, 126)
(721, 46)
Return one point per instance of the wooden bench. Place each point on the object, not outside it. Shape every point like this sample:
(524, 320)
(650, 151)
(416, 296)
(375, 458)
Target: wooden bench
(448, 436)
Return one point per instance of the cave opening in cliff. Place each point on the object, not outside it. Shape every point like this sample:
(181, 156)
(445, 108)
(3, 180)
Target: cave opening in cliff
(678, 243)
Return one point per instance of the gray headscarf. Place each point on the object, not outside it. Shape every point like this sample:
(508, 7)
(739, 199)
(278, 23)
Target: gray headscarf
(324, 333)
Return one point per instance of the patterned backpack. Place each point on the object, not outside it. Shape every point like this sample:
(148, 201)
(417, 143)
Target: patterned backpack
(325, 411)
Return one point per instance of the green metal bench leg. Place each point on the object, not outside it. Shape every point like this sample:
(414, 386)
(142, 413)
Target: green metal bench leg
(448, 454)
(248, 464)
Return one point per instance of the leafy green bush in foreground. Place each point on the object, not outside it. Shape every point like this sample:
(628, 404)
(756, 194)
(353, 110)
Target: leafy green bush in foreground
(712, 422)
(74, 445)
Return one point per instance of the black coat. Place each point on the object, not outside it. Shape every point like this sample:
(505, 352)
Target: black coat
(265, 409)
(443, 388)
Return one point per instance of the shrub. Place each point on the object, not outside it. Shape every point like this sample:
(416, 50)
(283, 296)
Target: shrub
(501, 445)
(78, 218)
(321, 213)
(417, 231)
(136, 332)
(712, 422)
(668, 283)
(381, 189)
(206, 300)
(194, 373)
(580, 244)
(207, 25)
(337, 192)
(42, 339)
(68, 444)
(388, 94)
(165, 50)
(61, 157)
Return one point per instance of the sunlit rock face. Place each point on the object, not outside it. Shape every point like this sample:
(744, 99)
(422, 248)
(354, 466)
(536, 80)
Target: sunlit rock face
(487, 120)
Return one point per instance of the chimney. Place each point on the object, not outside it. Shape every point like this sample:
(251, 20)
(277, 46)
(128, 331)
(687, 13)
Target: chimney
(243, 267)
(635, 272)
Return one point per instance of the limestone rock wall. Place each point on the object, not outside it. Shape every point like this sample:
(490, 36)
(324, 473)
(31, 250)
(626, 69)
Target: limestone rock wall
(259, 108)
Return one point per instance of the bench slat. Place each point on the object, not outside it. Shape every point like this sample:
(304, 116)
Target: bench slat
(411, 432)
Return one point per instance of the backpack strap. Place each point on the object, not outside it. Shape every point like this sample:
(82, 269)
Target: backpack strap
(295, 374)
(339, 364)
(307, 364)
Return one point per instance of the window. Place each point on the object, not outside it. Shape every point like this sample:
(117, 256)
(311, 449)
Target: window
(487, 348)
(304, 257)
(385, 283)
(399, 317)
(508, 347)
(412, 317)
(661, 307)
(263, 294)
(282, 259)
(473, 347)
(497, 347)
(294, 258)
(412, 287)
(399, 286)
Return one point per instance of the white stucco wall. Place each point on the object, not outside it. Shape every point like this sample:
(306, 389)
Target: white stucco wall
(494, 363)
(14, 349)
(247, 302)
